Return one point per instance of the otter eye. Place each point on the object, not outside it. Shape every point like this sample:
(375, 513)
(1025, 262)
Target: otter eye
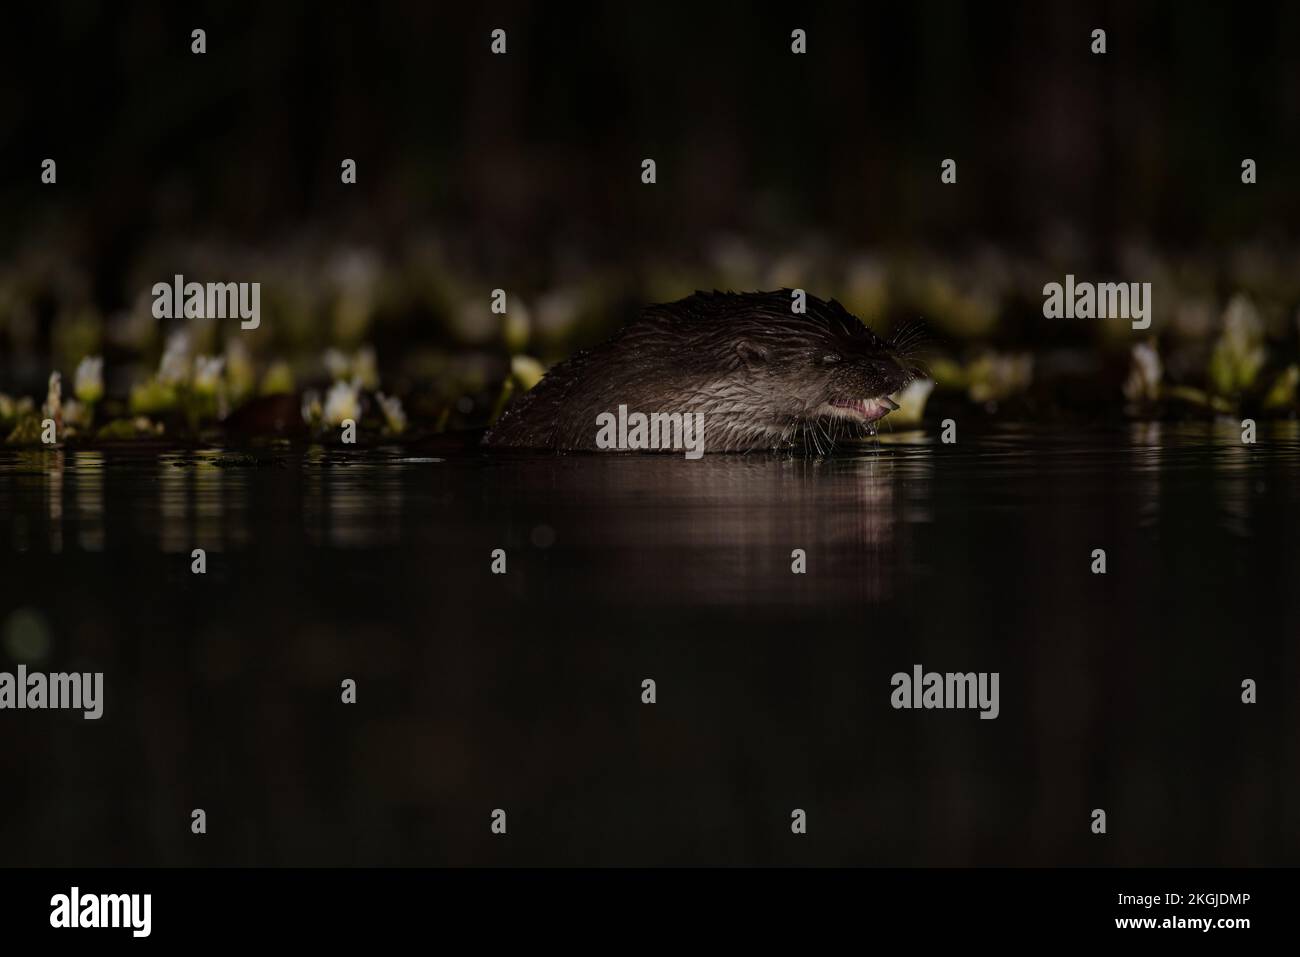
(830, 359)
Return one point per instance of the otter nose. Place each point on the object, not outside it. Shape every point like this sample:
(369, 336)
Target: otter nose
(891, 371)
(887, 367)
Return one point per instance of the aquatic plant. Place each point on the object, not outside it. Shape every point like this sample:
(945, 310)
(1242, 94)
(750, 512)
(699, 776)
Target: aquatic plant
(1146, 385)
(88, 389)
(1281, 395)
(342, 402)
(994, 376)
(160, 393)
(1198, 399)
(313, 412)
(53, 407)
(240, 376)
(1239, 353)
(516, 327)
(174, 366)
(336, 364)
(76, 416)
(911, 402)
(207, 375)
(278, 379)
(88, 382)
(365, 368)
(152, 397)
(527, 371)
(394, 415)
(205, 399)
(134, 428)
(11, 409)
(1145, 373)
(26, 431)
(362, 367)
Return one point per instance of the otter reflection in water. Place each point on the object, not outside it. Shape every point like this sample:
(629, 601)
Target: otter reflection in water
(762, 375)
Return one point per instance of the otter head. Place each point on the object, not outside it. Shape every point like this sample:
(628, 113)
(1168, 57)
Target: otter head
(825, 373)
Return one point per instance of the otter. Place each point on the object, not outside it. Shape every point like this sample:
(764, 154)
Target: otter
(764, 376)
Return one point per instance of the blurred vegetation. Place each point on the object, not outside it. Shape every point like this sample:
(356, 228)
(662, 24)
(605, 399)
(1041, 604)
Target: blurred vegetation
(1225, 334)
(520, 172)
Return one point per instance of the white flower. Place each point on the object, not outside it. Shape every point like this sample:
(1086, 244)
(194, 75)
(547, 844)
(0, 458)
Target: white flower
(74, 413)
(1144, 374)
(911, 402)
(1242, 326)
(1240, 353)
(88, 383)
(394, 415)
(336, 364)
(343, 402)
(54, 397)
(207, 373)
(240, 376)
(175, 365)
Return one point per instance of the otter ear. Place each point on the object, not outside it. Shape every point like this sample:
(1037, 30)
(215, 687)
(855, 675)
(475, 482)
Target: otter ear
(751, 354)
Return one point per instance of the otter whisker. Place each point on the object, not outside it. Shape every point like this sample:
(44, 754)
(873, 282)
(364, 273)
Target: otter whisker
(907, 345)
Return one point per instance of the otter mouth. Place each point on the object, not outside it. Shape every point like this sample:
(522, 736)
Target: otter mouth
(861, 410)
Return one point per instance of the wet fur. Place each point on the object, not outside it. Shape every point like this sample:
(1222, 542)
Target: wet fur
(758, 371)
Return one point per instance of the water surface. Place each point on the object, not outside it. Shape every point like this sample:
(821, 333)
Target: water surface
(523, 691)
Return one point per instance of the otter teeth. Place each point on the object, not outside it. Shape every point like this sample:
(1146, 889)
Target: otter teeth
(868, 409)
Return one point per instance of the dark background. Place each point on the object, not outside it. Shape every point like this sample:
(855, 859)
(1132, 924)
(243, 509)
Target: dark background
(546, 142)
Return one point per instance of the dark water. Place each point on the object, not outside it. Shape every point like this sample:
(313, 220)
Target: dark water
(479, 691)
